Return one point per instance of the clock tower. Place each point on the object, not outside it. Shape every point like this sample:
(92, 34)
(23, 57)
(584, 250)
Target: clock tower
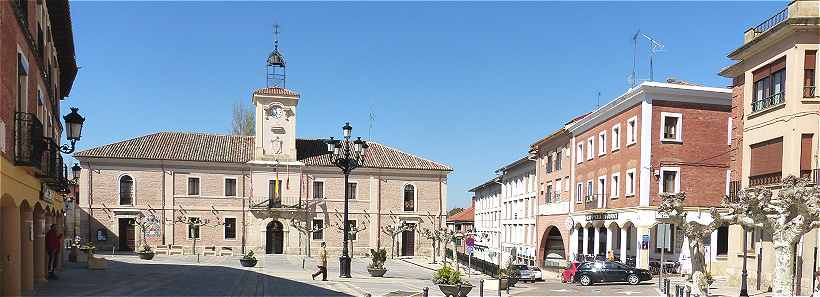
(275, 112)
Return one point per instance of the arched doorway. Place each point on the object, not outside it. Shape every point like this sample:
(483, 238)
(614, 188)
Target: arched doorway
(554, 246)
(275, 238)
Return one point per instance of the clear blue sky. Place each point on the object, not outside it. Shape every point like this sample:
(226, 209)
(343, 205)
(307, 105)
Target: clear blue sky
(468, 84)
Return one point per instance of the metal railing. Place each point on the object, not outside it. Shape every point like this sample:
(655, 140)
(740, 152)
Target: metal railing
(277, 202)
(734, 191)
(52, 166)
(809, 91)
(765, 179)
(813, 175)
(773, 21)
(28, 140)
(768, 102)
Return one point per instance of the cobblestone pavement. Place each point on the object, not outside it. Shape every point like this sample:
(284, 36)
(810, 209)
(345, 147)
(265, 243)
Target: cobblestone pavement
(275, 275)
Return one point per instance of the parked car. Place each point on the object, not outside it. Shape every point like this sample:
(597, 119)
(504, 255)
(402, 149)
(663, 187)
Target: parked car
(604, 271)
(536, 274)
(522, 273)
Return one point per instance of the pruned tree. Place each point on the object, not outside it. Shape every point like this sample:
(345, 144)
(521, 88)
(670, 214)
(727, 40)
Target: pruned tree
(696, 232)
(394, 229)
(143, 223)
(197, 223)
(242, 119)
(301, 219)
(353, 231)
(436, 235)
(790, 214)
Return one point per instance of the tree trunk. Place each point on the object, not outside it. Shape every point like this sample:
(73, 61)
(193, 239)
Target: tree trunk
(696, 252)
(783, 276)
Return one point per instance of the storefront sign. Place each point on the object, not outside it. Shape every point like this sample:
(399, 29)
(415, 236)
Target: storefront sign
(602, 216)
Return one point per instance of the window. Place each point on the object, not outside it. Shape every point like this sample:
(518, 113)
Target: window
(579, 153)
(769, 83)
(549, 162)
(558, 160)
(352, 188)
(616, 137)
(722, 244)
(274, 193)
(193, 227)
(631, 130)
(630, 182)
(766, 162)
(602, 143)
(193, 186)
(409, 198)
(22, 82)
(590, 148)
(615, 184)
(809, 66)
(601, 190)
(579, 192)
(672, 127)
(548, 196)
(318, 190)
(664, 237)
(230, 228)
(318, 229)
(126, 190)
(669, 180)
(230, 187)
(590, 192)
(352, 226)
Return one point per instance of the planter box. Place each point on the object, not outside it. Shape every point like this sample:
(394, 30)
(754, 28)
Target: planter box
(377, 272)
(453, 290)
(146, 256)
(96, 263)
(248, 262)
(503, 284)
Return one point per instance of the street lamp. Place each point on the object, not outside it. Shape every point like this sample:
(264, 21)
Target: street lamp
(75, 172)
(347, 155)
(743, 291)
(74, 129)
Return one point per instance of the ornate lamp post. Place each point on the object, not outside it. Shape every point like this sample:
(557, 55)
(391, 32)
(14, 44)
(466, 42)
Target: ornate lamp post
(74, 129)
(347, 155)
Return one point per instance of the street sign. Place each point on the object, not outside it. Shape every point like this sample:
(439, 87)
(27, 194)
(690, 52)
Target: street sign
(645, 242)
(470, 242)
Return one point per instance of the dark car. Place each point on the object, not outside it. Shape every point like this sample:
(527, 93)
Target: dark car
(603, 271)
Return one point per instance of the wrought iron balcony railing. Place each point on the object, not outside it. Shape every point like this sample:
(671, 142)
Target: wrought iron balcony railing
(765, 179)
(28, 140)
(768, 102)
(52, 167)
(773, 21)
(277, 202)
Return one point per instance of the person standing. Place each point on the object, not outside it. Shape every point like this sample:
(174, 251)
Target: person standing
(53, 247)
(322, 264)
(610, 256)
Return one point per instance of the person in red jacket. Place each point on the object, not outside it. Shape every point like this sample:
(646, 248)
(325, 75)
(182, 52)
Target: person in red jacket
(53, 247)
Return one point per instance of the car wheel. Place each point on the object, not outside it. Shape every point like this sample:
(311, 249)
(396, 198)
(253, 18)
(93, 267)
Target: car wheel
(585, 280)
(633, 279)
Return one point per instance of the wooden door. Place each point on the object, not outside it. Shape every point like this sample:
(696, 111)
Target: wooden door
(408, 243)
(126, 235)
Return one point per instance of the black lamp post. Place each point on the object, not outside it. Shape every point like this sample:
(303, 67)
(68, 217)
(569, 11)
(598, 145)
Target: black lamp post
(743, 291)
(347, 155)
(74, 129)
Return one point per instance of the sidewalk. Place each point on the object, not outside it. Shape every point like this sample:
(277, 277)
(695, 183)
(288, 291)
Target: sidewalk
(719, 287)
(427, 263)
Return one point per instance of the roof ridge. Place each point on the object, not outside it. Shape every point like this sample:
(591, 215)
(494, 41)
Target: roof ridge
(414, 155)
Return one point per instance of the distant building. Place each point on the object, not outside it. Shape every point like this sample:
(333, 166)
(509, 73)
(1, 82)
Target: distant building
(518, 211)
(775, 123)
(38, 70)
(487, 221)
(463, 220)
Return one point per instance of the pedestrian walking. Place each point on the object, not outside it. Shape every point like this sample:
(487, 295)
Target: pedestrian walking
(322, 264)
(53, 247)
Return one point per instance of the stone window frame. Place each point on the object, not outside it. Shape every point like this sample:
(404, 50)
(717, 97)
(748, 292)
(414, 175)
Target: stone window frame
(355, 194)
(590, 147)
(225, 188)
(579, 153)
(224, 231)
(678, 127)
(313, 188)
(615, 185)
(579, 193)
(602, 143)
(661, 172)
(133, 189)
(415, 196)
(628, 193)
(632, 131)
(188, 185)
(616, 137)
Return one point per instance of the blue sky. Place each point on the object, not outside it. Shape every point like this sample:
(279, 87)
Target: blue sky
(468, 84)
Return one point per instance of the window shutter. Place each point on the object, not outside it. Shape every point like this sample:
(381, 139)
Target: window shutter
(810, 60)
(767, 157)
(805, 152)
(770, 68)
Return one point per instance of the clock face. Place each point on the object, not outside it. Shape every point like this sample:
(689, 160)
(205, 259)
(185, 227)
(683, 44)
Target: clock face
(276, 112)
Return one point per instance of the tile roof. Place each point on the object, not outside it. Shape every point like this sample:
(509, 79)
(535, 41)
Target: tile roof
(276, 91)
(467, 215)
(202, 147)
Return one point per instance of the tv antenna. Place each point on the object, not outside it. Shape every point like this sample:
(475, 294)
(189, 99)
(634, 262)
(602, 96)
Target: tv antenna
(598, 102)
(633, 78)
(655, 47)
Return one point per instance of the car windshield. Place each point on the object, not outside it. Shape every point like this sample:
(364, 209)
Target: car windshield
(520, 267)
(535, 269)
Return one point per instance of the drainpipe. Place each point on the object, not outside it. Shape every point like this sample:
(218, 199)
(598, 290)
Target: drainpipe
(90, 200)
(162, 166)
(379, 211)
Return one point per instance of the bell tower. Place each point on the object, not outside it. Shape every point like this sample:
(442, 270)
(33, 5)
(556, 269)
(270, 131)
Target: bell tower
(275, 112)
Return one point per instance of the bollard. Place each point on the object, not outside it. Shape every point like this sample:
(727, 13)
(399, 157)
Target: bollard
(677, 290)
(458, 293)
(667, 287)
(499, 287)
(688, 291)
(481, 288)
(425, 291)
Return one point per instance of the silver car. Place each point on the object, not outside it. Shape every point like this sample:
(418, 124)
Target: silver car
(523, 273)
(536, 273)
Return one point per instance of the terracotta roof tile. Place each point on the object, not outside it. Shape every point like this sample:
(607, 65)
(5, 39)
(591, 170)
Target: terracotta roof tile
(276, 91)
(467, 215)
(202, 147)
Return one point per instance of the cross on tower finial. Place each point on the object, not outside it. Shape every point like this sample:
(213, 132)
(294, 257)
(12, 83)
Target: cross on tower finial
(276, 36)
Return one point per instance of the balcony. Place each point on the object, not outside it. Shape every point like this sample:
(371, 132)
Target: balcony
(771, 22)
(262, 203)
(809, 91)
(765, 179)
(768, 102)
(52, 170)
(799, 12)
(28, 140)
(813, 175)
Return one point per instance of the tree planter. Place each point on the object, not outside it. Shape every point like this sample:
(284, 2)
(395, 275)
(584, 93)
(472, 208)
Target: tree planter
(247, 262)
(453, 290)
(503, 284)
(146, 256)
(377, 272)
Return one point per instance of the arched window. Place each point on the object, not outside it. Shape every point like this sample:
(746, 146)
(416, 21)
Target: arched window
(409, 198)
(126, 190)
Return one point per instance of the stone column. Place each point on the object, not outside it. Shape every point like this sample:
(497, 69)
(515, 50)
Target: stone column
(586, 240)
(642, 259)
(609, 246)
(573, 243)
(40, 256)
(26, 249)
(597, 246)
(11, 248)
(624, 231)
